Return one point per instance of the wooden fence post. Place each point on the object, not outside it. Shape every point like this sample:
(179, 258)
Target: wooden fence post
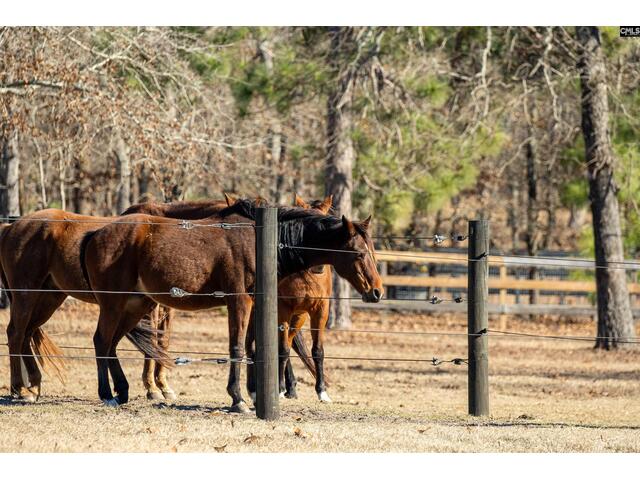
(477, 317)
(266, 314)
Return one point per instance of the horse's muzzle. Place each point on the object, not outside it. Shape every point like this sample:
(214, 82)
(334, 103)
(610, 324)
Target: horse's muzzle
(372, 296)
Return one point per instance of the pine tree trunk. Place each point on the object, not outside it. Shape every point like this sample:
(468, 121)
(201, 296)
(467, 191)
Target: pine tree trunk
(9, 176)
(81, 186)
(277, 141)
(614, 311)
(339, 164)
(9, 187)
(532, 199)
(143, 184)
(124, 172)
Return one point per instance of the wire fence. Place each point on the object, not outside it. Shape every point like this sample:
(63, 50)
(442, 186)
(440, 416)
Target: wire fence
(219, 358)
(170, 222)
(181, 360)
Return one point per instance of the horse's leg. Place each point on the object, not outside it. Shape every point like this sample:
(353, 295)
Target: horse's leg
(161, 372)
(284, 347)
(148, 372)
(250, 353)
(108, 323)
(128, 320)
(120, 383)
(47, 304)
(319, 318)
(21, 308)
(297, 322)
(290, 382)
(239, 310)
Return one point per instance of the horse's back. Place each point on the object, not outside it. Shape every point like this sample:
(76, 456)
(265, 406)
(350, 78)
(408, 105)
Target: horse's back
(47, 243)
(191, 210)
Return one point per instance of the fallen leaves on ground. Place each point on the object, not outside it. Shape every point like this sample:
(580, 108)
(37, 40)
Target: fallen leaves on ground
(251, 438)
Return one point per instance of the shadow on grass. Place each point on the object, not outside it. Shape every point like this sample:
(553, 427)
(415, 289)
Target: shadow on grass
(623, 375)
(546, 425)
(9, 401)
(197, 408)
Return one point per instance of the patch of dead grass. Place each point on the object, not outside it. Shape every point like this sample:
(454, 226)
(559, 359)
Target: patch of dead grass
(546, 396)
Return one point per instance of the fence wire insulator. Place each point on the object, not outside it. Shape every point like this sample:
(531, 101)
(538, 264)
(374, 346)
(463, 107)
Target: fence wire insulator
(458, 299)
(218, 361)
(456, 361)
(459, 238)
(186, 225)
(176, 292)
(226, 226)
(281, 327)
(435, 300)
(438, 239)
(281, 246)
(218, 294)
(182, 361)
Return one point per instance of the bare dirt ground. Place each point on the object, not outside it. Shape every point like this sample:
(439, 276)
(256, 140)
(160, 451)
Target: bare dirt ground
(546, 395)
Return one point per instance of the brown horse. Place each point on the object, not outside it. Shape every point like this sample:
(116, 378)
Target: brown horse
(303, 295)
(42, 251)
(155, 374)
(154, 257)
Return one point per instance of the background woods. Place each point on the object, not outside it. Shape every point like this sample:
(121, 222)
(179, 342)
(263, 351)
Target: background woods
(426, 127)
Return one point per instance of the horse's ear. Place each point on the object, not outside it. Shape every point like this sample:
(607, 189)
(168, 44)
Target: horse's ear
(261, 202)
(326, 204)
(365, 223)
(349, 226)
(230, 199)
(299, 202)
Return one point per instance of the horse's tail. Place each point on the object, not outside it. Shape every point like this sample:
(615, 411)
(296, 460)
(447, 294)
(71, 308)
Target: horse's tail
(144, 338)
(300, 347)
(48, 354)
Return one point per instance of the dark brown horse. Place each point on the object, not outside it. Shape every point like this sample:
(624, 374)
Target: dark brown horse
(42, 251)
(152, 256)
(155, 374)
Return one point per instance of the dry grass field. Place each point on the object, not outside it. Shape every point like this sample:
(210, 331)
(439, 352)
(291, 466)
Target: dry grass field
(546, 395)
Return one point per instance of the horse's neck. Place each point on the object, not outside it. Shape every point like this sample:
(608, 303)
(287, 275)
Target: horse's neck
(309, 251)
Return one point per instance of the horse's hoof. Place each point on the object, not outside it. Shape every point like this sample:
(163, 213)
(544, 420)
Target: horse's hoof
(35, 390)
(240, 407)
(24, 395)
(154, 395)
(282, 394)
(291, 394)
(111, 403)
(324, 397)
(253, 397)
(27, 398)
(169, 394)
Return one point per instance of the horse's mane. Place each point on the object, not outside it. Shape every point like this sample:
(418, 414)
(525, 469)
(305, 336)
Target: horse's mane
(294, 223)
